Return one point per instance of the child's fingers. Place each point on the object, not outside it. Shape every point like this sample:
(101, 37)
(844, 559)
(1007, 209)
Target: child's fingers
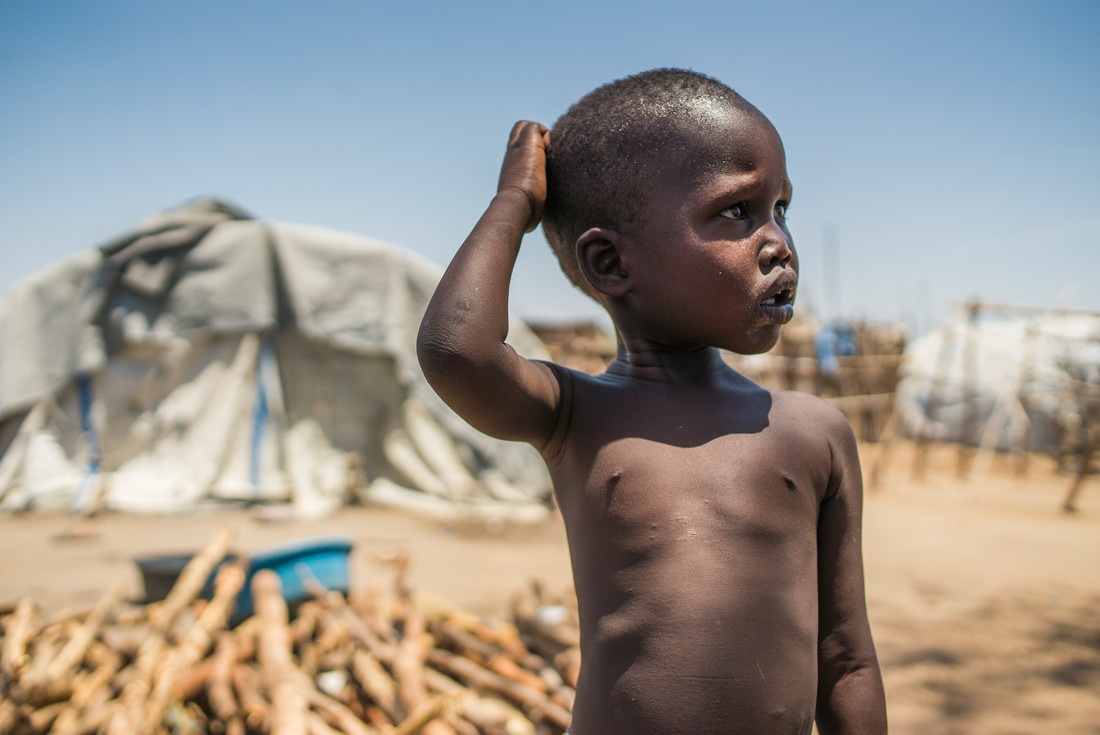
(525, 166)
(523, 126)
(524, 131)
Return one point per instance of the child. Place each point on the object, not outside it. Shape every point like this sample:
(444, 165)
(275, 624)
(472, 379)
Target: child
(713, 526)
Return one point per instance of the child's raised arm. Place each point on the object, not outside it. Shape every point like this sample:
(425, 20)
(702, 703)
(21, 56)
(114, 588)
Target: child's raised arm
(461, 342)
(850, 698)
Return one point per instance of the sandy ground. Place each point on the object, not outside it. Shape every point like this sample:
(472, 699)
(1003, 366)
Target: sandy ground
(984, 597)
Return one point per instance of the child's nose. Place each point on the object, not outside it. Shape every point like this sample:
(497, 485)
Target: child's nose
(777, 249)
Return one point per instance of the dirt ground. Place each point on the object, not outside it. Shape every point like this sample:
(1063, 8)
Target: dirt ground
(984, 597)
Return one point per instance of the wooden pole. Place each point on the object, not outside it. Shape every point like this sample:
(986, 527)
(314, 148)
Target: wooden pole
(968, 435)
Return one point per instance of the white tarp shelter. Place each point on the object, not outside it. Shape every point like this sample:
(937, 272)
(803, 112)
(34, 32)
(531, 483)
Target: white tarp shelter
(1014, 375)
(209, 357)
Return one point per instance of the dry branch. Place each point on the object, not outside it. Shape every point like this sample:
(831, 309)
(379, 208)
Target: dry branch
(195, 645)
(73, 652)
(191, 581)
(282, 680)
(18, 629)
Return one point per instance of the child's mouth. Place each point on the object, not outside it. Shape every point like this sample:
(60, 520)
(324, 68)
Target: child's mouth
(783, 298)
(779, 303)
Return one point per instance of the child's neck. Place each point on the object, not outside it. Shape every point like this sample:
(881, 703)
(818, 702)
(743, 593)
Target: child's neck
(646, 361)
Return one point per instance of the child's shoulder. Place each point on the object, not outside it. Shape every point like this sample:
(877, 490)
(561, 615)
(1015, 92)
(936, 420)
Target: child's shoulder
(821, 434)
(810, 412)
(803, 401)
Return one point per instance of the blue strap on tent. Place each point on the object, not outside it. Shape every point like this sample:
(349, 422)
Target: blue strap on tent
(260, 413)
(85, 398)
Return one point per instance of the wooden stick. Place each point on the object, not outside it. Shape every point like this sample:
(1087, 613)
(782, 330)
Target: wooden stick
(552, 678)
(509, 669)
(195, 645)
(470, 645)
(10, 716)
(340, 715)
(245, 636)
(56, 682)
(288, 700)
(490, 714)
(191, 581)
(18, 630)
(568, 662)
(410, 658)
(334, 634)
(441, 683)
(42, 719)
(503, 637)
(127, 719)
(316, 725)
(35, 689)
(256, 709)
(546, 639)
(235, 726)
(90, 690)
(426, 714)
(73, 652)
(193, 681)
(219, 687)
(408, 664)
(484, 680)
(362, 631)
(96, 717)
(304, 627)
(377, 683)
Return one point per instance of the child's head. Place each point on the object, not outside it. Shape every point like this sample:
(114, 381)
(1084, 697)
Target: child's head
(605, 149)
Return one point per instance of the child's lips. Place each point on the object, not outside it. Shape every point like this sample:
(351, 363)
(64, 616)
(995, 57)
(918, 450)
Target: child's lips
(782, 289)
(778, 301)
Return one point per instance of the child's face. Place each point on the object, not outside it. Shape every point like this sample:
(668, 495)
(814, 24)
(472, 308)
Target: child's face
(712, 259)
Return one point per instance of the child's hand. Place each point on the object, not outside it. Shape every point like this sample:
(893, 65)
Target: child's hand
(524, 166)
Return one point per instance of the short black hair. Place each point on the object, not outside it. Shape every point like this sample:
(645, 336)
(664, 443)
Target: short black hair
(596, 165)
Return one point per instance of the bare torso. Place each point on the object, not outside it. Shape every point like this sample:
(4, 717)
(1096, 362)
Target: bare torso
(691, 512)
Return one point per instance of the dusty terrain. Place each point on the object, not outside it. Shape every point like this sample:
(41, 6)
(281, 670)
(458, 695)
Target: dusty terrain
(984, 596)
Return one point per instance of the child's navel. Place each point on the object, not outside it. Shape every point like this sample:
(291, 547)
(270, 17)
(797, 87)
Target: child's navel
(688, 532)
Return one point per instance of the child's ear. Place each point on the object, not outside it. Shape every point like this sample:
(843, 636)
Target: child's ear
(599, 254)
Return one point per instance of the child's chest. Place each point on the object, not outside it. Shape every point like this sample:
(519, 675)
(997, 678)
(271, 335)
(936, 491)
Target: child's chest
(727, 487)
(683, 470)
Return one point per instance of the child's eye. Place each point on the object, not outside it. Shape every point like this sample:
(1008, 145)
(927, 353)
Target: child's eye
(737, 211)
(781, 210)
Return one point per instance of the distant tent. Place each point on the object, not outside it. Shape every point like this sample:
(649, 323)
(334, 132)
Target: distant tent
(210, 357)
(1002, 377)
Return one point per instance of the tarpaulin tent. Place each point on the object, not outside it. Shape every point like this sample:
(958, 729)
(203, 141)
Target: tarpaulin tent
(207, 357)
(1002, 377)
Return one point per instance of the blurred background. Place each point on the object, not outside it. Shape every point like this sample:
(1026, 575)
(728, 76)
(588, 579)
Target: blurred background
(220, 222)
(939, 151)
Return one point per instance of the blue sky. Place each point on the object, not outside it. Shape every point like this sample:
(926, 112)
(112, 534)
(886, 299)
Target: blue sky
(944, 149)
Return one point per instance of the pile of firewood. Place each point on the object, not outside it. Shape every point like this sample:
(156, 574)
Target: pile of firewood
(375, 662)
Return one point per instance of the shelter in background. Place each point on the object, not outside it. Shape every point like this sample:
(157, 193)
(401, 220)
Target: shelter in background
(1009, 379)
(1003, 377)
(210, 357)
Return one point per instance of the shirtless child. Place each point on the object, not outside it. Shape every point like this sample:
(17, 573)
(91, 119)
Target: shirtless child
(714, 526)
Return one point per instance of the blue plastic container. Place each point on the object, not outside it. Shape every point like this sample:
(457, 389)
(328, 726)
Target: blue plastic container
(296, 562)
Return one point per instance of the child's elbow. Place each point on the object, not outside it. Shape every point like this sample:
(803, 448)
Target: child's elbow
(438, 349)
